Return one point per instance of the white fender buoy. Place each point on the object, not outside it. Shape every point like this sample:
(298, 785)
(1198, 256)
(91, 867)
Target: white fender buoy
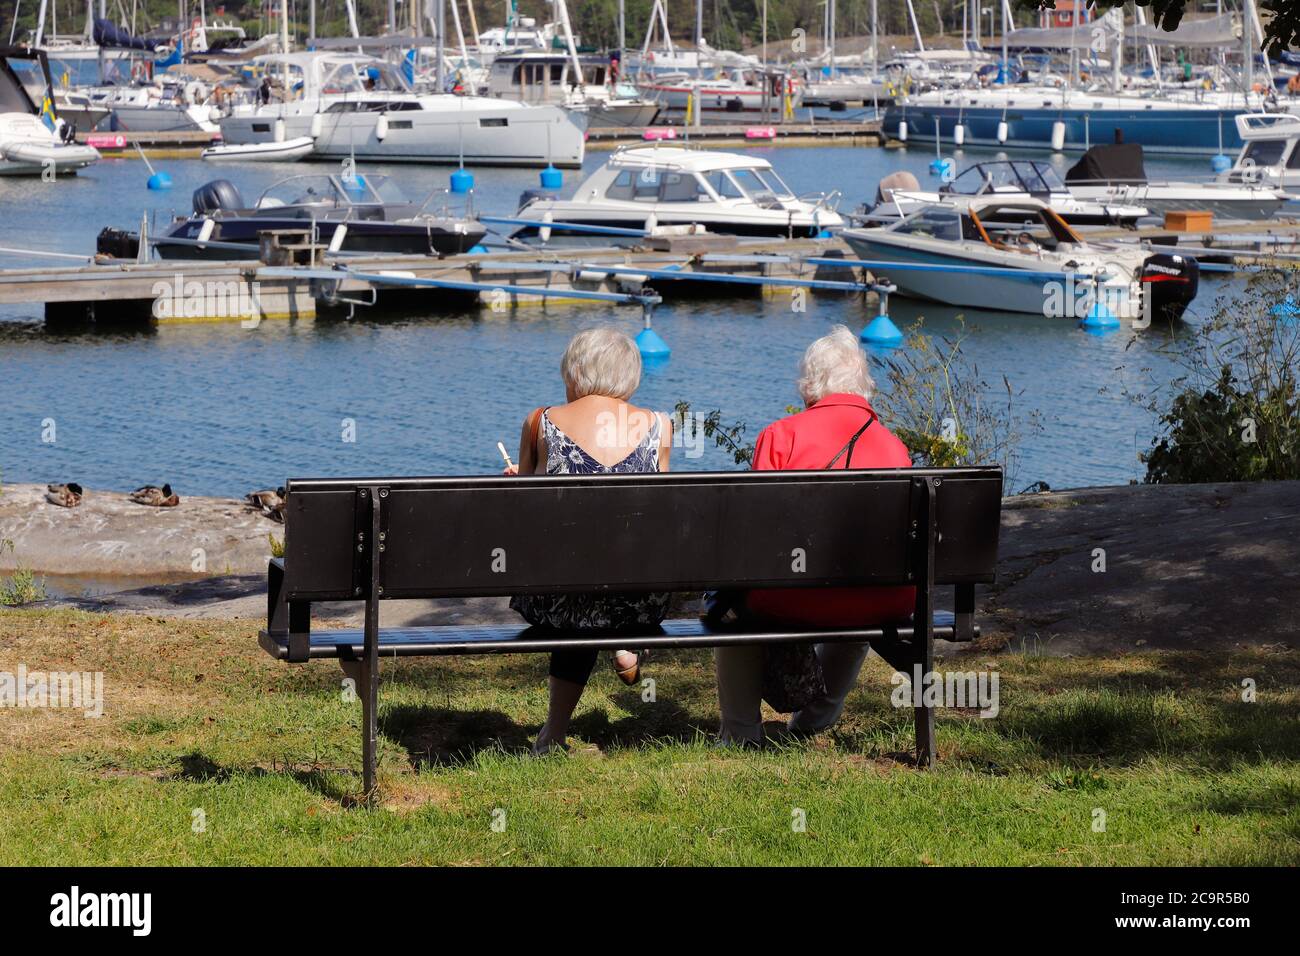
(902, 131)
(651, 223)
(1002, 131)
(317, 125)
(206, 230)
(279, 131)
(959, 134)
(381, 127)
(340, 233)
(1058, 136)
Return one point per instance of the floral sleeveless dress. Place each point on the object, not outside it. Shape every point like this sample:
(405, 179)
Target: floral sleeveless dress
(615, 611)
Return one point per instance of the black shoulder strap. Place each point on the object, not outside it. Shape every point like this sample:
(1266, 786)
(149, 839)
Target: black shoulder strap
(849, 447)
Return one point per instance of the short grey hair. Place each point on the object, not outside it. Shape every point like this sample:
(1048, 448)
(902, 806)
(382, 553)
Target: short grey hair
(835, 363)
(602, 361)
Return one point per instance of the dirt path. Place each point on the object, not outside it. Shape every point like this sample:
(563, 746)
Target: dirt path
(1191, 566)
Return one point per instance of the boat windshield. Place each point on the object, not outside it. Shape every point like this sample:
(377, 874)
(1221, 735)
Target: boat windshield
(761, 184)
(330, 191)
(1263, 152)
(1024, 228)
(1011, 176)
(934, 222)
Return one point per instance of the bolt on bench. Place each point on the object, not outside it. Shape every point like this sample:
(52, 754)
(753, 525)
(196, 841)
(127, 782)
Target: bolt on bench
(387, 538)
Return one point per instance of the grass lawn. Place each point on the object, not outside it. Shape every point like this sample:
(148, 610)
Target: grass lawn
(210, 752)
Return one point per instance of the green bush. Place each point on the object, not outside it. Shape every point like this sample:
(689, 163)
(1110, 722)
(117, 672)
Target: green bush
(1236, 413)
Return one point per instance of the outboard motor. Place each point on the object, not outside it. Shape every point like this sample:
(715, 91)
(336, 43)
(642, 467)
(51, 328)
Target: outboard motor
(216, 195)
(117, 244)
(1169, 284)
(528, 195)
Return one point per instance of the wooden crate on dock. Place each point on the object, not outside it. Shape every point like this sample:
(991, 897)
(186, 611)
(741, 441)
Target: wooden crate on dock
(1189, 220)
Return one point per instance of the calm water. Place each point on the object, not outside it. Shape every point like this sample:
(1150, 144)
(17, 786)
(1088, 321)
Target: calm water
(216, 409)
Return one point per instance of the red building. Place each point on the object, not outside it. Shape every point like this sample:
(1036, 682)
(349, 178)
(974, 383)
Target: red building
(1065, 13)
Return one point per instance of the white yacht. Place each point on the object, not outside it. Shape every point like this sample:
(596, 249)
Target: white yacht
(735, 91)
(538, 77)
(360, 107)
(649, 187)
(33, 141)
(1017, 255)
(1117, 174)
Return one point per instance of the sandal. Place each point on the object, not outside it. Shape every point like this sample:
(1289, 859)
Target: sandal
(628, 675)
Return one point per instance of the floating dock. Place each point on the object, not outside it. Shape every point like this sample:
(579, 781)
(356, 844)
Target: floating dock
(293, 284)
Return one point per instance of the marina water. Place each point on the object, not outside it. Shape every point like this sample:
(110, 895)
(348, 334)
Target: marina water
(218, 409)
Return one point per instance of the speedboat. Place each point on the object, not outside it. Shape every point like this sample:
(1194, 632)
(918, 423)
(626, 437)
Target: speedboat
(356, 213)
(33, 140)
(986, 252)
(1116, 174)
(1011, 180)
(360, 107)
(645, 187)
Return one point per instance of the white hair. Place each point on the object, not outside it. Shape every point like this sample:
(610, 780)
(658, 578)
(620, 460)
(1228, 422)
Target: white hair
(602, 361)
(835, 363)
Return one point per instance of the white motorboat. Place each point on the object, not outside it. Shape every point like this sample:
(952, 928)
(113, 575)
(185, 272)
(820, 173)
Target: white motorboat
(646, 187)
(1011, 180)
(965, 252)
(169, 104)
(32, 138)
(360, 107)
(1116, 174)
(288, 151)
(1270, 154)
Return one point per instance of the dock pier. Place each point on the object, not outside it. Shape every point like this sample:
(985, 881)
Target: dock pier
(184, 291)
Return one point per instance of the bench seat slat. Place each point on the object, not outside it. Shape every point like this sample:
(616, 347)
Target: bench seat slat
(447, 640)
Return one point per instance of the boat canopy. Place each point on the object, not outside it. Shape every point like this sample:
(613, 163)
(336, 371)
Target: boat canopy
(1035, 178)
(1109, 163)
(1219, 31)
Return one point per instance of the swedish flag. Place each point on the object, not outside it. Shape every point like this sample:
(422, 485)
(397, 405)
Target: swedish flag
(47, 111)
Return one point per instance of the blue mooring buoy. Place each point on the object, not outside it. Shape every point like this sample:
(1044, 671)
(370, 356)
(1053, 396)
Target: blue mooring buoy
(478, 250)
(551, 178)
(941, 166)
(462, 180)
(882, 332)
(1099, 318)
(1221, 163)
(160, 180)
(651, 346)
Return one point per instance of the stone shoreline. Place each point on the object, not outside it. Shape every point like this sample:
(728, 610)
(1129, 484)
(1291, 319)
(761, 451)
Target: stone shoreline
(1185, 566)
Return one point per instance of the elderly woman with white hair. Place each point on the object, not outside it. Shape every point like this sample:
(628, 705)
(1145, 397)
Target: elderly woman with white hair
(837, 429)
(596, 431)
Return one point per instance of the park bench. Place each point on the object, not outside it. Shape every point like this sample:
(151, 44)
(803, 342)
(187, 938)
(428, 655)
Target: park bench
(373, 540)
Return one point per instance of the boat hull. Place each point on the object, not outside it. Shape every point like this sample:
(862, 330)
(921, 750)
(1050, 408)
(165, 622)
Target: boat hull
(1195, 132)
(362, 236)
(480, 135)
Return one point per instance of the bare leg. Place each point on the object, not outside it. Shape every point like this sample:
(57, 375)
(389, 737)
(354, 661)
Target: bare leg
(740, 694)
(565, 695)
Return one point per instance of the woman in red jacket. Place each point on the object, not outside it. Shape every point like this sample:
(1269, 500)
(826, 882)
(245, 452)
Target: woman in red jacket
(837, 429)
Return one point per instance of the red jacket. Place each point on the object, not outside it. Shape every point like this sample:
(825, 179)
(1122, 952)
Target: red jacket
(809, 440)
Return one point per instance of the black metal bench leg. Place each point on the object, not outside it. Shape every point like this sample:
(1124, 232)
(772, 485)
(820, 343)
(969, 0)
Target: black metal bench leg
(370, 659)
(923, 621)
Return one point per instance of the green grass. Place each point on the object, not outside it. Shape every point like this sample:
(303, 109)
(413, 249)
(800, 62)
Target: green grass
(198, 719)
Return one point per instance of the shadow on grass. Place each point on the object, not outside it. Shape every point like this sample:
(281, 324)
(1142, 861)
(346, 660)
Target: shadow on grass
(440, 737)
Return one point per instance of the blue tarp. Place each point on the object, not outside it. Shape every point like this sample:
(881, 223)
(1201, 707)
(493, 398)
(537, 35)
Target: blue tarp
(107, 33)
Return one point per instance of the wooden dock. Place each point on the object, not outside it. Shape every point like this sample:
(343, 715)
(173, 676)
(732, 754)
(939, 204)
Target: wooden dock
(180, 291)
(189, 144)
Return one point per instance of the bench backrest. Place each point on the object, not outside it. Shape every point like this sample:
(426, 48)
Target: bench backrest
(459, 537)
